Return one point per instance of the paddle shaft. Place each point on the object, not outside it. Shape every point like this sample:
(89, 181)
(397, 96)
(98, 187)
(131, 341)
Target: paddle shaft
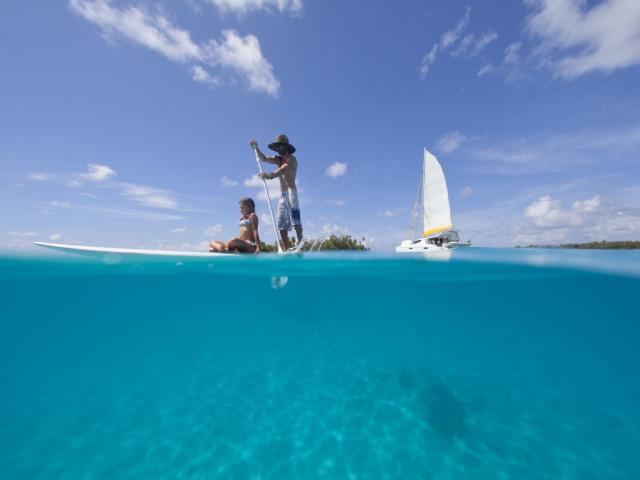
(266, 191)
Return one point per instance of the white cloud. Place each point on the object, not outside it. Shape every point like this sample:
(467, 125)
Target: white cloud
(124, 213)
(255, 182)
(265, 219)
(447, 39)
(329, 229)
(486, 70)
(244, 6)
(547, 212)
(467, 46)
(336, 201)
(55, 237)
(551, 218)
(214, 230)
(392, 212)
(96, 173)
(272, 184)
(450, 142)
(470, 45)
(179, 230)
(40, 177)
(451, 36)
(243, 55)
(151, 29)
(141, 194)
(466, 192)
(227, 182)
(199, 74)
(485, 39)
(428, 60)
(559, 151)
(194, 5)
(388, 213)
(577, 37)
(19, 243)
(59, 204)
(14, 233)
(149, 196)
(336, 169)
(596, 218)
(512, 53)
(141, 26)
(511, 66)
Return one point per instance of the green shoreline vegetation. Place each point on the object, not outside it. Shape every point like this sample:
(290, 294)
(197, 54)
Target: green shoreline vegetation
(334, 242)
(602, 245)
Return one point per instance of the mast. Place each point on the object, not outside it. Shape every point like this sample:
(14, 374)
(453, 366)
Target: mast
(417, 207)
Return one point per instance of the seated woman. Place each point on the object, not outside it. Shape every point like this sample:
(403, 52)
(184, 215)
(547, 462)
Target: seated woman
(248, 241)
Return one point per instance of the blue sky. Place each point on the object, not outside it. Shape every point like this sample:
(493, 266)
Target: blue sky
(126, 123)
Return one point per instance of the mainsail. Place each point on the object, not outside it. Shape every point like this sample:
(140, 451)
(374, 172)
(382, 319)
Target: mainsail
(435, 198)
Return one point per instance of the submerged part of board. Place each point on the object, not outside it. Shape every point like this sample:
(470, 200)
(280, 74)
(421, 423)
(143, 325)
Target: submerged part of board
(88, 250)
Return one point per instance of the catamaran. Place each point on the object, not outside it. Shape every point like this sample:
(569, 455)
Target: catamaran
(433, 201)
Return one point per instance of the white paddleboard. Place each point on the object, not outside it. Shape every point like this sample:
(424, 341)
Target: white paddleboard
(89, 250)
(97, 251)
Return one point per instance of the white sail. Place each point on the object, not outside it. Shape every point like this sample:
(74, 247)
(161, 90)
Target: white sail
(435, 198)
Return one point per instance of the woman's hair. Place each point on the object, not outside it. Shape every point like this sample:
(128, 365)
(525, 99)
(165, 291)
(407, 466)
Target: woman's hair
(249, 203)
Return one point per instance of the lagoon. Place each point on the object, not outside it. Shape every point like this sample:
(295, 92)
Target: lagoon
(499, 363)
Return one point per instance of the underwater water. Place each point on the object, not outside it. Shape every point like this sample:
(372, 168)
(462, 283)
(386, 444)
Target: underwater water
(494, 364)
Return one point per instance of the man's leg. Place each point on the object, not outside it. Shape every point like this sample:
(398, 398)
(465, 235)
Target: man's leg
(284, 220)
(284, 235)
(298, 232)
(295, 214)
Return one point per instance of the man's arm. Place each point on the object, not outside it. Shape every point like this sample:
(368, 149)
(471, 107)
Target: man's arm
(262, 156)
(277, 172)
(280, 170)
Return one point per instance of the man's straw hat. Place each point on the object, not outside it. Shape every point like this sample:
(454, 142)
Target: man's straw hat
(282, 141)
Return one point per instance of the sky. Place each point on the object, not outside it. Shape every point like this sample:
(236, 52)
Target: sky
(126, 123)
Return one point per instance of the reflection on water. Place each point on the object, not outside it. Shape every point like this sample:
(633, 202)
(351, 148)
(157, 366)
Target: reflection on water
(279, 282)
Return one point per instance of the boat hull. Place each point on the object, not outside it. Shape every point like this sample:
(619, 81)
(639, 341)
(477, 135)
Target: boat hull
(429, 245)
(420, 249)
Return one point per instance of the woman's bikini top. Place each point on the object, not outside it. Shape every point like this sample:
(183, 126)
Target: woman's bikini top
(245, 222)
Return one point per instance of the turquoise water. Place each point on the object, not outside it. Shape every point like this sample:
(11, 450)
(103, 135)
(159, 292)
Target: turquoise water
(496, 364)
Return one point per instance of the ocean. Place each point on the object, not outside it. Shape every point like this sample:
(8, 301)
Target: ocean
(493, 364)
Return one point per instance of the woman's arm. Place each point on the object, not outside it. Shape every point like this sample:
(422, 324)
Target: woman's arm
(256, 236)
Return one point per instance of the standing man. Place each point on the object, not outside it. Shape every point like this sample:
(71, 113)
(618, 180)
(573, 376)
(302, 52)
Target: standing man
(288, 206)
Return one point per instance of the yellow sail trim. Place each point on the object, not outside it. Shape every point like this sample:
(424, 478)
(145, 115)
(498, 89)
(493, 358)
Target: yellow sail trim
(436, 230)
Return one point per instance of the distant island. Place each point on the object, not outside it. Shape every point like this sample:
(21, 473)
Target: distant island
(334, 242)
(603, 245)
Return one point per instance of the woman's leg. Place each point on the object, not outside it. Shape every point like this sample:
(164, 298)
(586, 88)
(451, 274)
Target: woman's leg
(240, 246)
(217, 246)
